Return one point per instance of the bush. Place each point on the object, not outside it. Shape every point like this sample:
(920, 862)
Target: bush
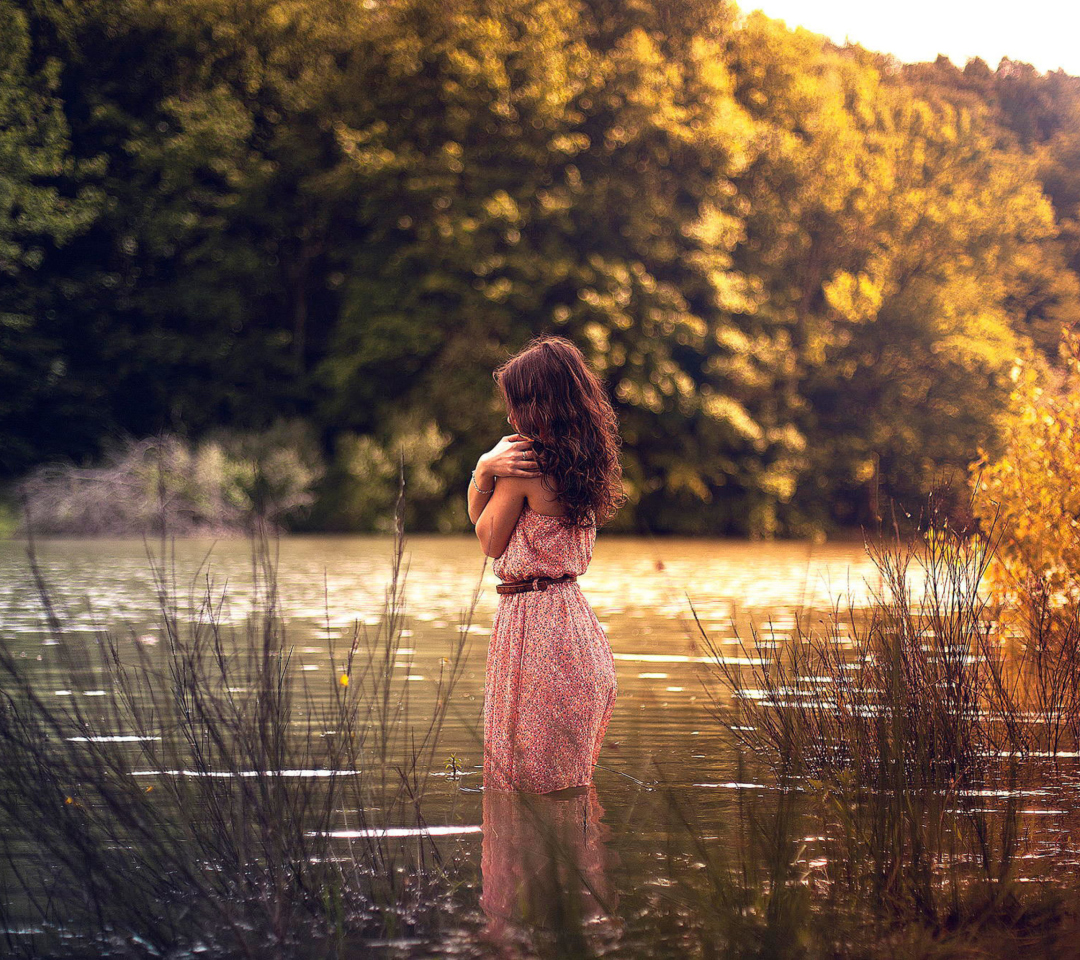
(362, 482)
(896, 726)
(1033, 487)
(219, 486)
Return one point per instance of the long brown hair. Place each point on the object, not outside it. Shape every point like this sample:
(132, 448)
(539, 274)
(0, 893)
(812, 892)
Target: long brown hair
(560, 404)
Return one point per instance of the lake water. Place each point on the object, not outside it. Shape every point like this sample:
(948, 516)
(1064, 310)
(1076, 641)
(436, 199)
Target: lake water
(665, 759)
(645, 593)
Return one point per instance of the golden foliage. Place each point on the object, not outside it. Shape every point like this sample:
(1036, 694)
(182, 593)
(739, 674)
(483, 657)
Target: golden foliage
(1034, 485)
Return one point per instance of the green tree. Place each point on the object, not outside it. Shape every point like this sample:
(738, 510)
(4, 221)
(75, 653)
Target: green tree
(547, 171)
(36, 216)
(892, 234)
(188, 302)
(804, 270)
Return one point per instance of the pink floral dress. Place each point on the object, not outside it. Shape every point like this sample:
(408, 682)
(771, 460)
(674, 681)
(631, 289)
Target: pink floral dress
(550, 683)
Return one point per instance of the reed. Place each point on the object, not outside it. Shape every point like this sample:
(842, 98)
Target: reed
(192, 805)
(1041, 633)
(907, 731)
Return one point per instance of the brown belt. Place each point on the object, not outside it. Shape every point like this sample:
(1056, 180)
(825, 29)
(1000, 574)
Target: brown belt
(537, 583)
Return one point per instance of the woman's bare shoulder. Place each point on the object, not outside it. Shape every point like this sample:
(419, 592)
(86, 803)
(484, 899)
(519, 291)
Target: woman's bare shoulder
(543, 496)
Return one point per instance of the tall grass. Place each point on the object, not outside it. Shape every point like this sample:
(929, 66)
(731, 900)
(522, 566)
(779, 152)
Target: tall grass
(1041, 635)
(192, 805)
(907, 730)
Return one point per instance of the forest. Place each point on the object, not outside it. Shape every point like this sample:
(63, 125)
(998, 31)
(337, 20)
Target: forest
(303, 233)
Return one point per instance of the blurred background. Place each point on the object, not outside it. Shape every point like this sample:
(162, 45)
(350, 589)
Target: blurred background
(257, 253)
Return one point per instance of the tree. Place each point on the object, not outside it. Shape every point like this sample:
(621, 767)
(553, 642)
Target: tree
(36, 216)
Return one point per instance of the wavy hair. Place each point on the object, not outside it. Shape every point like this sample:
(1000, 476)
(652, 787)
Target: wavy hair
(560, 404)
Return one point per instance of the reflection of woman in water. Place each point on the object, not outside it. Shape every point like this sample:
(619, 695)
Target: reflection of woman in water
(545, 864)
(536, 499)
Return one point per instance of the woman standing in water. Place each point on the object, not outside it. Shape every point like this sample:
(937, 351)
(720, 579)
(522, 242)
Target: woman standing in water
(536, 499)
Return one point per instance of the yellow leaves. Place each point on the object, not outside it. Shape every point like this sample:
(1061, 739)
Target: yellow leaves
(729, 411)
(779, 482)
(554, 200)
(856, 297)
(864, 470)
(648, 85)
(1034, 484)
(366, 151)
(638, 394)
(343, 680)
(454, 765)
(597, 335)
(682, 477)
(712, 70)
(714, 227)
(497, 290)
(569, 143)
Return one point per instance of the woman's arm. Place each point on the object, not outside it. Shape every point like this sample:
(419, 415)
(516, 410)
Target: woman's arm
(499, 474)
(484, 478)
(504, 506)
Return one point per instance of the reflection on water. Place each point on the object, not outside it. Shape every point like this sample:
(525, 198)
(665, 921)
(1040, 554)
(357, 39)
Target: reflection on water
(545, 861)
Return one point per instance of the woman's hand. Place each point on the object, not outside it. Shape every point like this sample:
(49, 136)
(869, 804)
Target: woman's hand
(512, 456)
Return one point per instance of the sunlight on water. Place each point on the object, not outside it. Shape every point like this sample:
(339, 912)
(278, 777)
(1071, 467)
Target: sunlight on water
(229, 774)
(333, 583)
(119, 738)
(401, 832)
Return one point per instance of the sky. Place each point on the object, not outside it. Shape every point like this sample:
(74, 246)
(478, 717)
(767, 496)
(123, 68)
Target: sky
(1047, 36)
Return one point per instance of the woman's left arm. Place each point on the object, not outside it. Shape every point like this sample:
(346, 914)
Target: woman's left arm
(496, 523)
(481, 487)
(512, 456)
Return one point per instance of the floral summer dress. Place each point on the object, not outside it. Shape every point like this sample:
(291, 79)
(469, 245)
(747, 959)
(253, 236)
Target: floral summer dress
(550, 682)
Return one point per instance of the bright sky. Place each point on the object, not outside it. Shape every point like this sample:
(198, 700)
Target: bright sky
(1044, 33)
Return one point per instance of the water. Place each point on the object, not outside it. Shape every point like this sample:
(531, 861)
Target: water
(644, 591)
(666, 759)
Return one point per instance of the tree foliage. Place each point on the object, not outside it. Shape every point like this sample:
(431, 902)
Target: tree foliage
(804, 271)
(1032, 487)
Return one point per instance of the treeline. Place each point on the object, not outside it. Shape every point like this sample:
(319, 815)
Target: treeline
(805, 271)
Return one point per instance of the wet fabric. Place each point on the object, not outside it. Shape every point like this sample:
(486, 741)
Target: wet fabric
(550, 684)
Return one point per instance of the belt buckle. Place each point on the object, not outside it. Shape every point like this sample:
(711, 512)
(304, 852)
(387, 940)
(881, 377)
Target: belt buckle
(536, 584)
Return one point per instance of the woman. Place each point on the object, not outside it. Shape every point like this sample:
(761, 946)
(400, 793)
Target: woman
(536, 499)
